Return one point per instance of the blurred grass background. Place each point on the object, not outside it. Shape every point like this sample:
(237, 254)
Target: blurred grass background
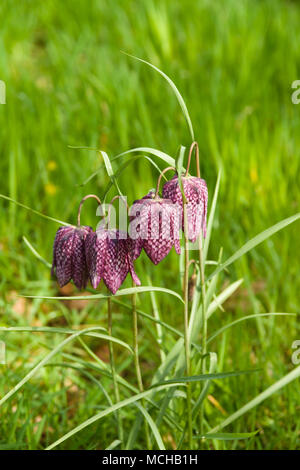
(68, 84)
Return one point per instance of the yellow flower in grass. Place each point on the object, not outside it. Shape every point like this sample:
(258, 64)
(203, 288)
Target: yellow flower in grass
(253, 174)
(50, 189)
(51, 165)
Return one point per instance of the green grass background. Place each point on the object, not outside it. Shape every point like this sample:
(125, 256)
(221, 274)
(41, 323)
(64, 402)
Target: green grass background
(68, 85)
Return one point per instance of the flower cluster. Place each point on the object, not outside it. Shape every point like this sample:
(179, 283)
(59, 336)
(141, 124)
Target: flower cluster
(80, 254)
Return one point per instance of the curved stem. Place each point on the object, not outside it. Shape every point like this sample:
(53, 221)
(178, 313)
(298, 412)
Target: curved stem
(192, 261)
(113, 370)
(119, 197)
(81, 204)
(192, 147)
(160, 177)
(110, 206)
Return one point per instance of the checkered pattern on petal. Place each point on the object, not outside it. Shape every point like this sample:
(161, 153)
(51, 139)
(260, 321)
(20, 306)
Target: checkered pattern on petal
(109, 256)
(61, 232)
(157, 227)
(95, 248)
(118, 261)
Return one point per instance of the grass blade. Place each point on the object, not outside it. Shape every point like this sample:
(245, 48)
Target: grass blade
(110, 171)
(113, 444)
(248, 317)
(121, 292)
(49, 329)
(153, 427)
(228, 436)
(204, 391)
(107, 163)
(124, 166)
(223, 296)
(111, 409)
(36, 254)
(49, 356)
(197, 378)
(294, 374)
(211, 217)
(157, 153)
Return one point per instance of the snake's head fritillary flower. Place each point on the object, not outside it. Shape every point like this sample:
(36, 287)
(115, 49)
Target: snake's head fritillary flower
(69, 255)
(195, 191)
(110, 255)
(137, 240)
(155, 226)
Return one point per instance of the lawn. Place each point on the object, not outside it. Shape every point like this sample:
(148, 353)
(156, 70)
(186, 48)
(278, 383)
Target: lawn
(68, 85)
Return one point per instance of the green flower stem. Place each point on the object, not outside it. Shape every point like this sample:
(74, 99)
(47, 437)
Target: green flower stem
(137, 362)
(113, 371)
(186, 329)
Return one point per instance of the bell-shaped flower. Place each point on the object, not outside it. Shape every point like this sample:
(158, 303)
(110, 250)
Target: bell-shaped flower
(155, 226)
(195, 191)
(69, 255)
(109, 256)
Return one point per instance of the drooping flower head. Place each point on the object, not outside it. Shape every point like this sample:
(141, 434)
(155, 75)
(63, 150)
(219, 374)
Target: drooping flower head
(69, 256)
(109, 255)
(195, 191)
(155, 226)
(69, 261)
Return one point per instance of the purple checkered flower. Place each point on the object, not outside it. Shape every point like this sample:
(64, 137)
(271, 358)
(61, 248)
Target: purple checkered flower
(195, 191)
(155, 226)
(69, 256)
(109, 256)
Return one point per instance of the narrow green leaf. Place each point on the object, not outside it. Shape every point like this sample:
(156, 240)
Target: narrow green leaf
(108, 411)
(107, 163)
(248, 317)
(175, 90)
(180, 169)
(157, 153)
(204, 391)
(113, 445)
(125, 165)
(120, 171)
(153, 427)
(50, 355)
(222, 297)
(89, 178)
(110, 171)
(82, 147)
(255, 241)
(211, 217)
(156, 316)
(49, 329)
(294, 374)
(34, 211)
(197, 378)
(36, 254)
